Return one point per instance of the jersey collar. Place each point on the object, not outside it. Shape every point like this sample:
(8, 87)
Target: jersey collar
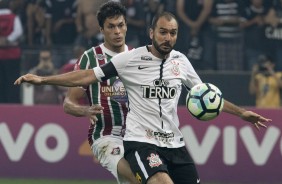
(109, 52)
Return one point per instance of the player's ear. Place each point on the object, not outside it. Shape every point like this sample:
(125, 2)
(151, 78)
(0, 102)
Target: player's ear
(151, 33)
(101, 30)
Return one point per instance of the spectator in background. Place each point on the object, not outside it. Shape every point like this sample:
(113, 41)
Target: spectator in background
(18, 7)
(10, 53)
(152, 7)
(68, 67)
(273, 32)
(266, 83)
(136, 25)
(60, 28)
(254, 32)
(86, 23)
(225, 20)
(168, 6)
(35, 22)
(45, 94)
(60, 21)
(193, 15)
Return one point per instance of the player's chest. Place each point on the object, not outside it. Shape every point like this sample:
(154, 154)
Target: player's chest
(154, 73)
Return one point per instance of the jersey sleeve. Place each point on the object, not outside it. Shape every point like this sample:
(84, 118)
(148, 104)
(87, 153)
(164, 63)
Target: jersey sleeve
(82, 63)
(113, 68)
(105, 71)
(191, 78)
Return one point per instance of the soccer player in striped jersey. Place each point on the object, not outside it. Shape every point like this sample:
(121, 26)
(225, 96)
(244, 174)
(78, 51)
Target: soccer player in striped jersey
(153, 76)
(106, 130)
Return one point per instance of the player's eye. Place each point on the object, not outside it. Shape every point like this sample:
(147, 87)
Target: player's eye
(173, 33)
(111, 27)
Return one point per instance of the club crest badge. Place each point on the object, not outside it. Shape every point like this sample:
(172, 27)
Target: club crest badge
(154, 160)
(115, 151)
(175, 68)
(100, 56)
(149, 134)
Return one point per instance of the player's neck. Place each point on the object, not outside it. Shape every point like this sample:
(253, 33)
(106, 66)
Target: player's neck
(156, 53)
(116, 49)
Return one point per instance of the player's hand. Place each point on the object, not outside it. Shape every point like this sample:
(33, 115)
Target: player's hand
(257, 120)
(92, 111)
(29, 78)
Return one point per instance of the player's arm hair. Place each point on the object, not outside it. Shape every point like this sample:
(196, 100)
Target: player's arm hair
(232, 108)
(72, 104)
(71, 79)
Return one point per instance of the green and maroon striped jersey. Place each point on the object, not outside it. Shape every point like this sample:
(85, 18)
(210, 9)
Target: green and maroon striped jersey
(110, 94)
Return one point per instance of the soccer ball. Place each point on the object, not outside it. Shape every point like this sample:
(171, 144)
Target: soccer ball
(204, 101)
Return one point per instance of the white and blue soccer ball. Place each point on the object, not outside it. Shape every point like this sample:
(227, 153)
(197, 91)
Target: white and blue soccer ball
(204, 101)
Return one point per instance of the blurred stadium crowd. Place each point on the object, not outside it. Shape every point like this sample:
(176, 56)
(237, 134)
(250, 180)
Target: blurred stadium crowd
(216, 35)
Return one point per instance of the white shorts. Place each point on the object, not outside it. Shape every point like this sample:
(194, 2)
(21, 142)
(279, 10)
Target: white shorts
(109, 150)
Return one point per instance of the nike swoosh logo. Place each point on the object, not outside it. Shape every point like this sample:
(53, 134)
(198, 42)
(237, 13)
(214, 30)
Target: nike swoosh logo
(212, 99)
(141, 68)
(198, 180)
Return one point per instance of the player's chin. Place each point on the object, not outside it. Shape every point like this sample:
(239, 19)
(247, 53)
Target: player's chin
(166, 47)
(166, 50)
(118, 44)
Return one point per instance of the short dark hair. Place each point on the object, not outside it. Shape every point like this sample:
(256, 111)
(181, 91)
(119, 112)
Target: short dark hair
(169, 16)
(110, 9)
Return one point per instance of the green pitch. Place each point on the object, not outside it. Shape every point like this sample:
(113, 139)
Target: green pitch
(47, 181)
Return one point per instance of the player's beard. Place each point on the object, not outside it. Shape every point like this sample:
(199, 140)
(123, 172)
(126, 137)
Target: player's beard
(158, 47)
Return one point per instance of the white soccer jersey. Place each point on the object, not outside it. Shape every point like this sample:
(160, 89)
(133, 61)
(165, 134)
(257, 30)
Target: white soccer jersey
(153, 86)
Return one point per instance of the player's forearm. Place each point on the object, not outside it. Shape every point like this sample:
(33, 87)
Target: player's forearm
(71, 79)
(233, 109)
(74, 109)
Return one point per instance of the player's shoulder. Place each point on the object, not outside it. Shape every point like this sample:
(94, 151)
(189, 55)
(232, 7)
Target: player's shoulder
(174, 54)
(178, 56)
(89, 51)
(134, 52)
(143, 49)
(138, 50)
(98, 52)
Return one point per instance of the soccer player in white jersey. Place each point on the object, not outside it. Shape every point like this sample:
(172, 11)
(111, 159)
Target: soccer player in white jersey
(153, 76)
(106, 130)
